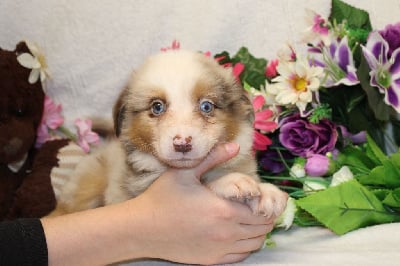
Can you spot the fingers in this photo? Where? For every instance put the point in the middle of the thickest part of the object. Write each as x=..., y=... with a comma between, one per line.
x=252, y=231
x=243, y=249
x=244, y=215
x=218, y=155
x=231, y=258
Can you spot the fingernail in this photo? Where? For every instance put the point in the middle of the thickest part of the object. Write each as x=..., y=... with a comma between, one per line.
x=231, y=147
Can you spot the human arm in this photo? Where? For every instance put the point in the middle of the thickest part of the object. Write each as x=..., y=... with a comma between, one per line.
x=175, y=219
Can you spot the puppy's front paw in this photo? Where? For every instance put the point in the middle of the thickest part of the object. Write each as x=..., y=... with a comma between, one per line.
x=235, y=186
x=272, y=201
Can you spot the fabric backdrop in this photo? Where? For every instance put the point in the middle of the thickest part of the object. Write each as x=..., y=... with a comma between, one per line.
x=92, y=46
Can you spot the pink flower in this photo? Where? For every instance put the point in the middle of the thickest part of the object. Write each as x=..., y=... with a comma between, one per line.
x=51, y=118
x=52, y=114
x=42, y=135
x=258, y=102
x=319, y=25
x=317, y=165
x=318, y=28
x=174, y=46
x=260, y=141
x=237, y=69
x=207, y=54
x=85, y=134
x=262, y=124
x=270, y=71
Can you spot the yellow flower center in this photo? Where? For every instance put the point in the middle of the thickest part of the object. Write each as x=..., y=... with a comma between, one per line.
x=299, y=84
x=42, y=61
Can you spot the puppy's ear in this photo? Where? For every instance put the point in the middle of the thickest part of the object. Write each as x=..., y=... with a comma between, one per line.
x=247, y=107
x=119, y=111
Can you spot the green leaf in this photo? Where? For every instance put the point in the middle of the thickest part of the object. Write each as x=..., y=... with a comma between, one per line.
x=356, y=159
x=395, y=158
x=223, y=57
x=396, y=131
x=346, y=207
x=356, y=18
x=393, y=199
x=254, y=71
x=375, y=99
x=305, y=219
x=381, y=194
x=384, y=176
x=374, y=152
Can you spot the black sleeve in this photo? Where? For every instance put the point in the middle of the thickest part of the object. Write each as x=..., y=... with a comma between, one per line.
x=22, y=242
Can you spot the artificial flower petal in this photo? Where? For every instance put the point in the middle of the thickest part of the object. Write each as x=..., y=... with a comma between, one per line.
x=258, y=102
x=261, y=142
x=285, y=220
x=35, y=61
x=378, y=47
x=344, y=174
x=395, y=60
x=26, y=60
x=85, y=134
x=34, y=76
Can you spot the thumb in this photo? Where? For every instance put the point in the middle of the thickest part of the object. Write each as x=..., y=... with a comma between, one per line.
x=218, y=155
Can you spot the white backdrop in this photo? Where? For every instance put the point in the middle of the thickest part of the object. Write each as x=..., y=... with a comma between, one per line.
x=92, y=46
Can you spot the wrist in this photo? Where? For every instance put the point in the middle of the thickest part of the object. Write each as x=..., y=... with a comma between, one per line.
x=99, y=236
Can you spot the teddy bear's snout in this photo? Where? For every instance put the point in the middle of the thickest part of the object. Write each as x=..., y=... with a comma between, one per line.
x=13, y=146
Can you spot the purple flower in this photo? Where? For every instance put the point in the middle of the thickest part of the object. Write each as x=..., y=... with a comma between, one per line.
x=271, y=161
x=317, y=165
x=391, y=33
x=337, y=61
x=358, y=138
x=303, y=138
x=385, y=69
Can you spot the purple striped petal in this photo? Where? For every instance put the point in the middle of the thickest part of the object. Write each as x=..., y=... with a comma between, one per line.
x=374, y=83
x=343, y=55
x=395, y=60
x=332, y=49
x=371, y=59
x=314, y=49
x=351, y=79
x=396, y=83
x=316, y=62
x=392, y=97
x=378, y=47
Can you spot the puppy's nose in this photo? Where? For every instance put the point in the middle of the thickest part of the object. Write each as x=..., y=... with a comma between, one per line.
x=182, y=144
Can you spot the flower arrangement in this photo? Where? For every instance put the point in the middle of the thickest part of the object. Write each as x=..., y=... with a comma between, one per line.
x=326, y=121
x=51, y=125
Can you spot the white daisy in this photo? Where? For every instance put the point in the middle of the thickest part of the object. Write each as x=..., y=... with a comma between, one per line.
x=35, y=61
x=296, y=83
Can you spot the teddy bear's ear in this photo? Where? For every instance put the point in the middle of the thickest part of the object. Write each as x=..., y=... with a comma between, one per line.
x=22, y=48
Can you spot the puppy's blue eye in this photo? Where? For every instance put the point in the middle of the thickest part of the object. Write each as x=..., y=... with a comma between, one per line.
x=158, y=107
x=206, y=107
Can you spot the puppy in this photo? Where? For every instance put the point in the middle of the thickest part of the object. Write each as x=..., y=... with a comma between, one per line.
x=176, y=108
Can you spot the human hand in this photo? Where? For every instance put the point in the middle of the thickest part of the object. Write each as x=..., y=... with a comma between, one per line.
x=190, y=224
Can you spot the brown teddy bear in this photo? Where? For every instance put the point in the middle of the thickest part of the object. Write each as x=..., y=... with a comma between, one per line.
x=25, y=184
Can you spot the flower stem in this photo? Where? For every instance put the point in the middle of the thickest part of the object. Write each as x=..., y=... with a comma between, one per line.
x=67, y=133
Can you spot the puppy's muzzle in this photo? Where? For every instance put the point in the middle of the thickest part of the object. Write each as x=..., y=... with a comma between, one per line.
x=182, y=144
